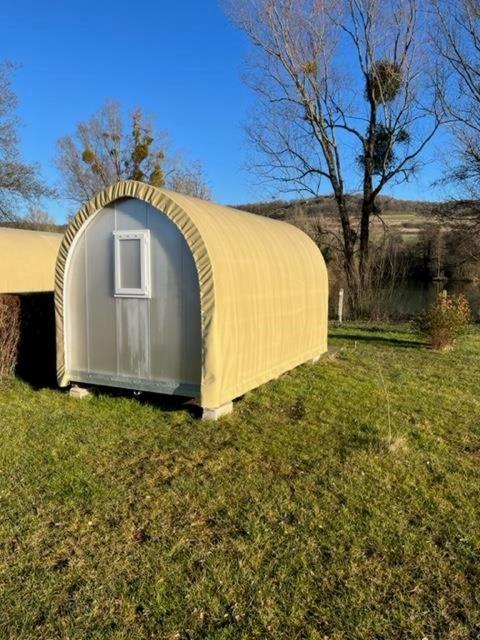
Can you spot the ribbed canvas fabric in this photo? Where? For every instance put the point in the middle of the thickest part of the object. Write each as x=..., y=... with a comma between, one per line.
x=263, y=289
x=27, y=260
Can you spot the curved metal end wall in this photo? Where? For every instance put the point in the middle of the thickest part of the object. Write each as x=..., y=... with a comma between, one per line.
x=131, y=303
x=257, y=290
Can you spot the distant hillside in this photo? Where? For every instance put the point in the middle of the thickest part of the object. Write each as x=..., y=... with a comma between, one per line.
x=405, y=216
x=325, y=205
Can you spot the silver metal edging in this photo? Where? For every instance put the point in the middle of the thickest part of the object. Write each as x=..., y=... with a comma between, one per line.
x=156, y=386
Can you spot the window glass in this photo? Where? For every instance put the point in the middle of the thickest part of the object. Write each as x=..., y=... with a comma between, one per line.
x=130, y=264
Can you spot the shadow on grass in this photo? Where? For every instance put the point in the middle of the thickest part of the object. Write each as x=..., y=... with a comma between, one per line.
x=158, y=400
x=382, y=340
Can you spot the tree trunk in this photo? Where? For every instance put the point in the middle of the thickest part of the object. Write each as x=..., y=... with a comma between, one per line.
x=352, y=282
x=349, y=240
x=368, y=201
x=368, y=209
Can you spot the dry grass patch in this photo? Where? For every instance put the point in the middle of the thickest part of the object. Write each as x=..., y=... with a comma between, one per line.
x=9, y=334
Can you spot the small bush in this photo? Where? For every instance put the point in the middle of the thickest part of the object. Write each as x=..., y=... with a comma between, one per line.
x=445, y=320
x=9, y=333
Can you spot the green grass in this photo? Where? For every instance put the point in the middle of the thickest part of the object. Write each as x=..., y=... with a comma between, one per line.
x=312, y=512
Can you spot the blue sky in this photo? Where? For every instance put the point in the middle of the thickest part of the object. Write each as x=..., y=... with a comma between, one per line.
x=180, y=61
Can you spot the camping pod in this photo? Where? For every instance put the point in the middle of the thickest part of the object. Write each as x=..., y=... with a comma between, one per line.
x=162, y=292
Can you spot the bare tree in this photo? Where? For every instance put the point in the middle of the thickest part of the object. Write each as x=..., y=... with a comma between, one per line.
x=456, y=31
x=20, y=183
x=39, y=219
x=190, y=181
x=347, y=95
x=103, y=151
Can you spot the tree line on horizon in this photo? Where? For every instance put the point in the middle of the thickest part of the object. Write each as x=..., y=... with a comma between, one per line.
x=350, y=95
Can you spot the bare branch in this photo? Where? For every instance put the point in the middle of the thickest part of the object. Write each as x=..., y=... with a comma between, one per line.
x=318, y=112
x=20, y=184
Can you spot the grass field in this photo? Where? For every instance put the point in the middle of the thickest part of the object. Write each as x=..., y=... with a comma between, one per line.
x=341, y=501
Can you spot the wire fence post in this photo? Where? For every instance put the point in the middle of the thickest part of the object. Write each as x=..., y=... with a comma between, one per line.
x=340, y=306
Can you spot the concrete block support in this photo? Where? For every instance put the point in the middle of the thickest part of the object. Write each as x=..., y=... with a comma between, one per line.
x=78, y=392
x=218, y=412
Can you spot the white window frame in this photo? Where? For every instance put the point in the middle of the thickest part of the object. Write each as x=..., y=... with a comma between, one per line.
x=144, y=290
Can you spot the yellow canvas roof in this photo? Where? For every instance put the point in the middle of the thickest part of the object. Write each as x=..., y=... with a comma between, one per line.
x=27, y=260
x=263, y=289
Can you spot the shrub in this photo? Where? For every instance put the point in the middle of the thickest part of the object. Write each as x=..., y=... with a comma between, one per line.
x=9, y=333
x=445, y=320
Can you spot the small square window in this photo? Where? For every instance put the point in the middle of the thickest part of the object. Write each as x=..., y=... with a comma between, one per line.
x=132, y=264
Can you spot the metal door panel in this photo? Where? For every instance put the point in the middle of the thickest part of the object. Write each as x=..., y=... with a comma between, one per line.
x=133, y=337
x=101, y=313
x=130, y=214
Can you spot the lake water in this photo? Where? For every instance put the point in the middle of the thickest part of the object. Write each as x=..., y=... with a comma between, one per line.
x=409, y=299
